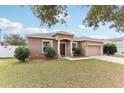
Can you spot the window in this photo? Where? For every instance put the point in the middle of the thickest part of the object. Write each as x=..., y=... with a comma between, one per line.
x=45, y=44
x=74, y=45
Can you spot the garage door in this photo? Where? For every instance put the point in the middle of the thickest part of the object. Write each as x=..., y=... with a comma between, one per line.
x=93, y=50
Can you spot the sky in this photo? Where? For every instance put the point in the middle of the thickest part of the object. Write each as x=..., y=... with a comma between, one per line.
x=17, y=20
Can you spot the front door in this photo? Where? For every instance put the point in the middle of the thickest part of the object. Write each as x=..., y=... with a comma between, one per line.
x=62, y=49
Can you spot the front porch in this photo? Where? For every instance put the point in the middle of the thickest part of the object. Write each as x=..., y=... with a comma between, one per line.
x=64, y=48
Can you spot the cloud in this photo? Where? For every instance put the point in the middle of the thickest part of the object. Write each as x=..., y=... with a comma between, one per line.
x=84, y=27
x=33, y=30
x=6, y=24
x=16, y=27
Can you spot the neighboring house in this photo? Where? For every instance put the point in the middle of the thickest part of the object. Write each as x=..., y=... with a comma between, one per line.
x=119, y=42
x=63, y=43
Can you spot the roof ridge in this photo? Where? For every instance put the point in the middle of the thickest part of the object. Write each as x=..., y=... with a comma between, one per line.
x=40, y=33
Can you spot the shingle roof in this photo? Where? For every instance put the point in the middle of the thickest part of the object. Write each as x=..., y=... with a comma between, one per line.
x=51, y=36
x=42, y=35
x=48, y=35
x=86, y=39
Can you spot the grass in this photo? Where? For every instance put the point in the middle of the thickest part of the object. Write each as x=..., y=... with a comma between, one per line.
x=61, y=73
x=119, y=55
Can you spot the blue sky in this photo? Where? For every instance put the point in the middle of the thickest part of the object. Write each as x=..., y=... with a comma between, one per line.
x=14, y=19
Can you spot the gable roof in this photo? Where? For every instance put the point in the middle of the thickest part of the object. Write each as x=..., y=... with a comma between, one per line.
x=63, y=33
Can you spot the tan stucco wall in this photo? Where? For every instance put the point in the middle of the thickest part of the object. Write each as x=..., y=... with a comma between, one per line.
x=35, y=47
x=81, y=45
x=55, y=45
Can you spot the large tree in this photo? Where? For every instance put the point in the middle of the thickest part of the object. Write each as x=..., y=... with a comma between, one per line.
x=50, y=14
x=97, y=15
x=104, y=14
x=14, y=39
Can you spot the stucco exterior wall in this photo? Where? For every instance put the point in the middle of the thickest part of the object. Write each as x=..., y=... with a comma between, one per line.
x=55, y=45
x=81, y=44
x=35, y=47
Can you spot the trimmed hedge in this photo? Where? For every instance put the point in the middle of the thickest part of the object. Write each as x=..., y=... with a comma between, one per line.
x=49, y=52
x=77, y=51
x=21, y=53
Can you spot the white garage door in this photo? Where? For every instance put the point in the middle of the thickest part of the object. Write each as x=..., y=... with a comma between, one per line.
x=93, y=50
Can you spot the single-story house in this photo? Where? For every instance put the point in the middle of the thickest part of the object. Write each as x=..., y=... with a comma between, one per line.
x=119, y=42
x=63, y=43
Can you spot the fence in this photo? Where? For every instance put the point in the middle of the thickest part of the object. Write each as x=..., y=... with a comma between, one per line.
x=7, y=51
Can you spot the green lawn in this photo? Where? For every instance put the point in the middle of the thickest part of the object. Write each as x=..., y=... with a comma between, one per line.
x=61, y=73
x=119, y=55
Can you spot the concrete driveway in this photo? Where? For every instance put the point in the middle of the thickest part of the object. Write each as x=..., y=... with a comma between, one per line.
x=104, y=58
x=110, y=59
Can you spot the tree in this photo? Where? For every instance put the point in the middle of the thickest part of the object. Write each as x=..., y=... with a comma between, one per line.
x=14, y=39
x=50, y=14
x=97, y=15
x=109, y=49
x=103, y=14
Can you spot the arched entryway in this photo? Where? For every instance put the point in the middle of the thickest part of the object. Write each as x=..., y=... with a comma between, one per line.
x=65, y=47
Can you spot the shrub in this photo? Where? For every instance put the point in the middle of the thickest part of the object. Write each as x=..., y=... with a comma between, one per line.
x=49, y=52
x=109, y=49
x=21, y=53
x=77, y=51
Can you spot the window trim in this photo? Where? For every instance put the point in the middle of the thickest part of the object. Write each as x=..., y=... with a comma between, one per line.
x=50, y=41
x=72, y=45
